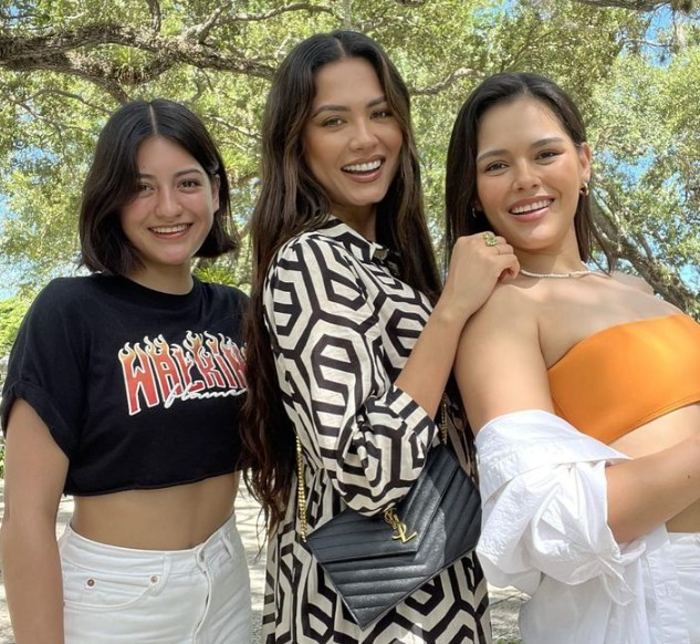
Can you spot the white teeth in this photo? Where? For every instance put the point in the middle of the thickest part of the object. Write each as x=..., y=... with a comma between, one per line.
x=363, y=167
x=164, y=230
x=530, y=207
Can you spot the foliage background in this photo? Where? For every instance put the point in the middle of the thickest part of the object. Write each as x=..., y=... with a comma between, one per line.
x=633, y=66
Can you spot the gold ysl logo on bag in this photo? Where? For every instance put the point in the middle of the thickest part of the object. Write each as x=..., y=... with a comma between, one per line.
x=399, y=526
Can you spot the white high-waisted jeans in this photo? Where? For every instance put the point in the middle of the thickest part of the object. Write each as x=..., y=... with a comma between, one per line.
x=116, y=595
x=685, y=550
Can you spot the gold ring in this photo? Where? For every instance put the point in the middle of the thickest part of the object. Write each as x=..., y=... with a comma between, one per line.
x=490, y=238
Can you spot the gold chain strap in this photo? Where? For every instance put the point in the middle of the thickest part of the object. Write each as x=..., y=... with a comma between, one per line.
x=301, y=493
x=443, y=419
x=390, y=518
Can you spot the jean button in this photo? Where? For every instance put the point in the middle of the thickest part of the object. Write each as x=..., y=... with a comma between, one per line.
x=154, y=579
x=90, y=583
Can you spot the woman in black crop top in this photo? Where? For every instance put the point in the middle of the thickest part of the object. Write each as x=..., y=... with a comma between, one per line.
x=124, y=389
x=589, y=480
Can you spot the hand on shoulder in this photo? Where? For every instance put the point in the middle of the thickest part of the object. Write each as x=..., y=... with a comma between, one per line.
x=477, y=264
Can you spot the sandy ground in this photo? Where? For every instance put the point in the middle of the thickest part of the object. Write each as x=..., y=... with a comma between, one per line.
x=504, y=603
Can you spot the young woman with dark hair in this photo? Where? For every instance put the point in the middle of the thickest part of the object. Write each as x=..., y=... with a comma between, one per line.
x=110, y=183
x=123, y=389
x=584, y=389
x=350, y=343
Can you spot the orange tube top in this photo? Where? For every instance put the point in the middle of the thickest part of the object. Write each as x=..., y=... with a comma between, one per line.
x=627, y=375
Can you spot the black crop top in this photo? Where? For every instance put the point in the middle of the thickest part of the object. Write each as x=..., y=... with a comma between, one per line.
x=140, y=389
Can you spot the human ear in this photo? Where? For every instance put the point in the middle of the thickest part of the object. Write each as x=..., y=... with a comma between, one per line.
x=215, y=185
x=585, y=156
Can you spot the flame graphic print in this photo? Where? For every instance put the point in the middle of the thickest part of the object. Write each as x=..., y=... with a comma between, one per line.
x=203, y=366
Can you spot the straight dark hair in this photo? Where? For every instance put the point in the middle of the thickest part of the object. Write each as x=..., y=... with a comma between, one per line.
x=461, y=217
x=292, y=201
x=113, y=180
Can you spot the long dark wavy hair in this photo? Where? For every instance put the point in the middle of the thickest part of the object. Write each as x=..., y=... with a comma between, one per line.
x=461, y=217
x=292, y=201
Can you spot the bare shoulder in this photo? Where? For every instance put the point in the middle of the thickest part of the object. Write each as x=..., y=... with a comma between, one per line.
x=511, y=306
x=634, y=281
x=499, y=366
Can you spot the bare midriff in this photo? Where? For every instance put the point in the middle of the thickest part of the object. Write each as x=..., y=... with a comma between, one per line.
x=659, y=434
x=173, y=518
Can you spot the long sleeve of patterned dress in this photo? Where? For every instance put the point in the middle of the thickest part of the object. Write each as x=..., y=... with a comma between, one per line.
x=332, y=321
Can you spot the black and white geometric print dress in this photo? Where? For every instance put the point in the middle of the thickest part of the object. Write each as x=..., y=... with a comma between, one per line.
x=342, y=327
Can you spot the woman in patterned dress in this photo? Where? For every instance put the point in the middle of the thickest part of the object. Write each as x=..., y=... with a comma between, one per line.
x=350, y=344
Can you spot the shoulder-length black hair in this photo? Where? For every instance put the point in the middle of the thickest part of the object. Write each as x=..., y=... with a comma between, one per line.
x=113, y=178
x=461, y=217
x=291, y=201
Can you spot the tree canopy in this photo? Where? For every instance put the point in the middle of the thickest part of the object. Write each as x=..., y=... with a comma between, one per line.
x=633, y=66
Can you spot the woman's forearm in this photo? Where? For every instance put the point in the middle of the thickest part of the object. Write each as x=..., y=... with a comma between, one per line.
x=32, y=576
x=428, y=367
x=648, y=491
x=475, y=269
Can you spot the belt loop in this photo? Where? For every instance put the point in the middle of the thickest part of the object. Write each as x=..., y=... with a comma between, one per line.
x=226, y=532
x=228, y=546
x=200, y=556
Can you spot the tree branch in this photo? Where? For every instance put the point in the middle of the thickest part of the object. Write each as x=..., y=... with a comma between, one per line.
x=348, y=22
x=686, y=6
x=60, y=92
x=636, y=5
x=255, y=136
x=441, y=86
x=662, y=279
x=534, y=35
x=16, y=48
x=154, y=9
x=201, y=32
x=60, y=51
x=296, y=6
x=59, y=127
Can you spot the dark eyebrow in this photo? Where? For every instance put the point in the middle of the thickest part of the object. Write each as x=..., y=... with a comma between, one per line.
x=377, y=101
x=344, y=108
x=551, y=139
x=537, y=144
x=179, y=173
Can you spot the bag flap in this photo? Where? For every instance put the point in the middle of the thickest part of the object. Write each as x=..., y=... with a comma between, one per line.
x=350, y=535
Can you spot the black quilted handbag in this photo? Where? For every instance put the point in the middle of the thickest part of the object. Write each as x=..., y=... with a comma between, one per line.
x=376, y=562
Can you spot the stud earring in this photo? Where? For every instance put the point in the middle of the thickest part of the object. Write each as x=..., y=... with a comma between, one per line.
x=584, y=190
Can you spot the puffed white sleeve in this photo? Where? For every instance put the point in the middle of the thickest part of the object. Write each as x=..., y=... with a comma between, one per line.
x=544, y=495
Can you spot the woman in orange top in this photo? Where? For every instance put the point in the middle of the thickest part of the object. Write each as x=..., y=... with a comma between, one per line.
x=585, y=385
